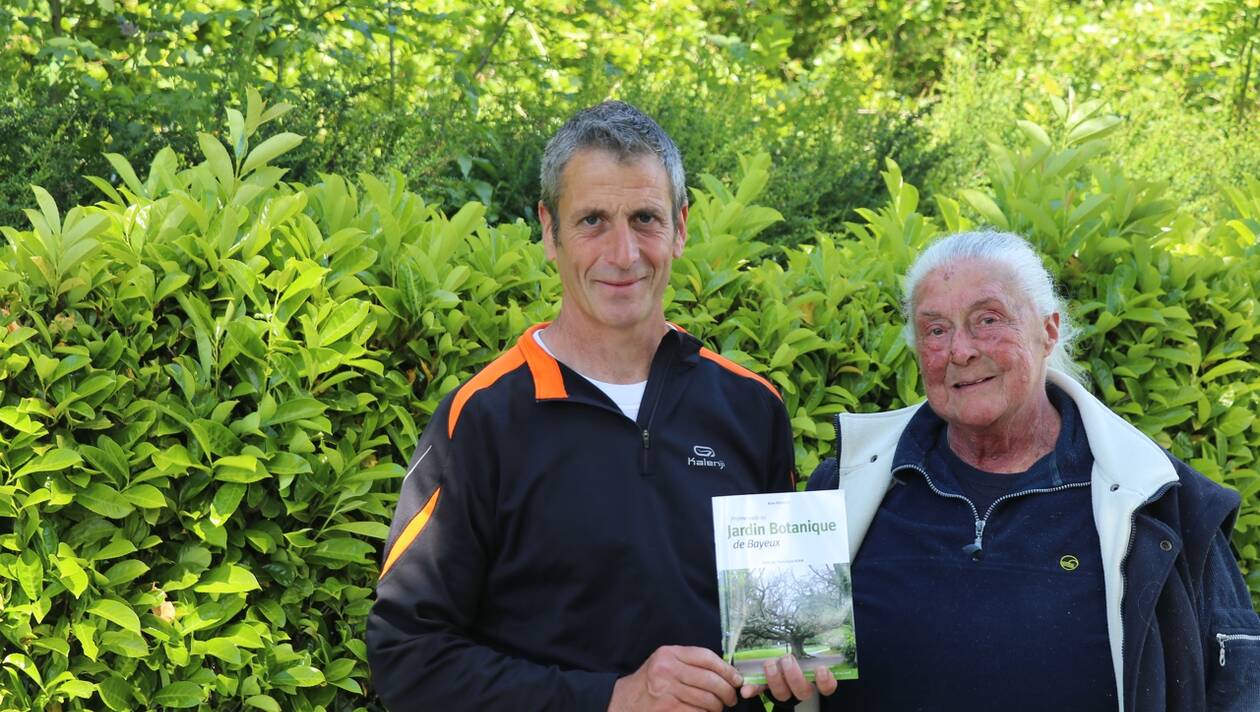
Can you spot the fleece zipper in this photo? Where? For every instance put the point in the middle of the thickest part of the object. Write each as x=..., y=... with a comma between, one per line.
x=658, y=377
x=976, y=548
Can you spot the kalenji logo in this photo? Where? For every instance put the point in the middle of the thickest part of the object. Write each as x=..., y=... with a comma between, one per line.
x=705, y=457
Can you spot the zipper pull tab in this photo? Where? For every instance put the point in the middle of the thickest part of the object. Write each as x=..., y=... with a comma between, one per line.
x=976, y=549
x=1220, y=640
x=645, y=439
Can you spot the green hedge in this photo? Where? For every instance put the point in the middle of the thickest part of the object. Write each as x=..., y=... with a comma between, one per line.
x=210, y=380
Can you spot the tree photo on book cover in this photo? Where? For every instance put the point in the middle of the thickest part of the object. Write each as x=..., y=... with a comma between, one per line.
x=803, y=610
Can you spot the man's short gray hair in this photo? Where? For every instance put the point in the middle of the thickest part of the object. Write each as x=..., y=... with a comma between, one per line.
x=620, y=129
x=1028, y=273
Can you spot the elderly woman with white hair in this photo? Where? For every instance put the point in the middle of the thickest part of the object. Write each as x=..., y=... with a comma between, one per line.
x=1017, y=545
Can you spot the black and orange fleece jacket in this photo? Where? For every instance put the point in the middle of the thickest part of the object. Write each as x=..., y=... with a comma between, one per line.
x=545, y=544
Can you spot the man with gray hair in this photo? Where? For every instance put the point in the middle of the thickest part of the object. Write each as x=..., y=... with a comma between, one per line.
x=552, y=547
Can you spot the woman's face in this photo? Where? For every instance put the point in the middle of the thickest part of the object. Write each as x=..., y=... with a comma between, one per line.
x=981, y=345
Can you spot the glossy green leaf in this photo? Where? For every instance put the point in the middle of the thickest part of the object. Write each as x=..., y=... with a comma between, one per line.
x=344, y=549
x=76, y=688
x=24, y=664
x=344, y=319
x=116, y=612
x=124, y=571
x=55, y=460
x=373, y=530
x=225, y=502
x=30, y=573
x=220, y=648
x=271, y=148
x=71, y=574
x=118, y=546
x=298, y=676
x=296, y=409
x=179, y=695
x=229, y=578
x=145, y=496
x=124, y=642
x=116, y=693
x=217, y=159
x=104, y=500
x=267, y=703
x=988, y=209
x=1227, y=368
x=215, y=438
x=56, y=645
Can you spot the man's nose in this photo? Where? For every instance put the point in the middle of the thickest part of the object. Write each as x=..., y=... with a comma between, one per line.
x=624, y=250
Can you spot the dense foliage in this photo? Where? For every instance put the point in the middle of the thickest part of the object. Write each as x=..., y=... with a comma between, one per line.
x=211, y=378
x=212, y=368
x=459, y=95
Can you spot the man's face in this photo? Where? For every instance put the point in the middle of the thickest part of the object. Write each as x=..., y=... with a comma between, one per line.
x=613, y=239
x=982, y=347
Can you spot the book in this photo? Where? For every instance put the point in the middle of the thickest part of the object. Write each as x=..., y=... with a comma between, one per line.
x=783, y=582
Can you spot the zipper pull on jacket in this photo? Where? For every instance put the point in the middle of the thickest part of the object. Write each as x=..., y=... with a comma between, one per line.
x=976, y=549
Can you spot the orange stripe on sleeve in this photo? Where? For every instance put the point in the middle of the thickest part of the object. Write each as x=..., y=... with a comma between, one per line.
x=485, y=378
x=738, y=369
x=411, y=531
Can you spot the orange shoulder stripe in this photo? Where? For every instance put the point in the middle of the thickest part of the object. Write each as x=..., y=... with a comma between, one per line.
x=411, y=531
x=496, y=369
x=738, y=369
x=548, y=382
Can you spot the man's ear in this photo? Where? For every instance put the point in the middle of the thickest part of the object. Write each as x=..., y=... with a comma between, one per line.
x=681, y=236
x=548, y=236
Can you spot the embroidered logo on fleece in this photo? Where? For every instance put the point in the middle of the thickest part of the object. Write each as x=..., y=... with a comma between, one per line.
x=705, y=456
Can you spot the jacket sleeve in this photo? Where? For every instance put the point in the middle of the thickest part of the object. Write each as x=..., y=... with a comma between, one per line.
x=782, y=474
x=826, y=476
x=1232, y=633
x=422, y=646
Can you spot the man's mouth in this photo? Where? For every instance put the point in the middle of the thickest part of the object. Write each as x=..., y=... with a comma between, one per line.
x=620, y=283
x=973, y=382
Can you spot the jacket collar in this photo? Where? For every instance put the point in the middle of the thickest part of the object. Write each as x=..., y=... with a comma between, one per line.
x=916, y=446
x=1123, y=455
x=548, y=376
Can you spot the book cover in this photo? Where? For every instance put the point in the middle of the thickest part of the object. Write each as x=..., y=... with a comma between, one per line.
x=783, y=581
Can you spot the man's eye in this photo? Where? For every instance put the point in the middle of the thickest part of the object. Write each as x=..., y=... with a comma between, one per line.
x=645, y=218
x=590, y=220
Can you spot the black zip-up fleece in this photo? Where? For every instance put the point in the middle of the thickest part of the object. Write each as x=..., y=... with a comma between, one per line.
x=545, y=544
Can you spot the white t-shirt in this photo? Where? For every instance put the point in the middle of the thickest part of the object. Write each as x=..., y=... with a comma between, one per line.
x=627, y=396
